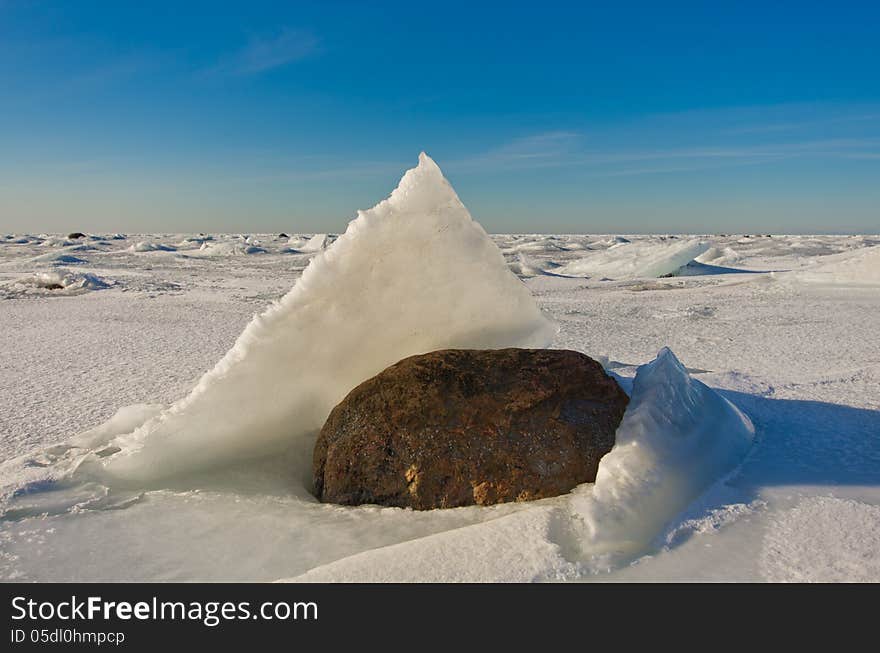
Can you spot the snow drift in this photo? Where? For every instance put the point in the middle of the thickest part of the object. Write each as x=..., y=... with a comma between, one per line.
x=626, y=260
x=411, y=275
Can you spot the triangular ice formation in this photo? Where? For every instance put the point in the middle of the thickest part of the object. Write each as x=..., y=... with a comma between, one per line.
x=413, y=274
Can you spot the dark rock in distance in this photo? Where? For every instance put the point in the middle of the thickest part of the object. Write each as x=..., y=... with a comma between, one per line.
x=76, y=235
x=459, y=427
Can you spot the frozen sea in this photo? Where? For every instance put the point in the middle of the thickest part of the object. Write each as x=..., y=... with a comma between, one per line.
x=787, y=328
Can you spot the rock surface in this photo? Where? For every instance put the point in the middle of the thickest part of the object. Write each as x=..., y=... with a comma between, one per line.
x=459, y=427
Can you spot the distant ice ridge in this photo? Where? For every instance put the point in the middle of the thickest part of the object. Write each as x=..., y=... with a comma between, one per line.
x=227, y=248
x=413, y=274
x=627, y=260
x=678, y=437
x=145, y=246
x=858, y=268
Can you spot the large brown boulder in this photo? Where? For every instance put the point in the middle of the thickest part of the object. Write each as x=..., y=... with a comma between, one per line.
x=458, y=427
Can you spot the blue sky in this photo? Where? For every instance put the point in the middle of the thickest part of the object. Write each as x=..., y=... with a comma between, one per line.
x=554, y=117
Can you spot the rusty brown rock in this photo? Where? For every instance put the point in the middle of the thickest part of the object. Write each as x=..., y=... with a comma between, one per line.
x=458, y=427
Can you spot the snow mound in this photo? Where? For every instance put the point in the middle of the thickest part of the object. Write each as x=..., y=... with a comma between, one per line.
x=57, y=241
x=411, y=275
x=858, y=268
x=648, y=258
x=16, y=240
x=541, y=245
x=575, y=245
x=228, y=248
x=192, y=241
x=145, y=246
x=316, y=243
x=678, y=437
x=609, y=242
x=63, y=256
x=57, y=283
x=297, y=242
x=523, y=267
x=719, y=256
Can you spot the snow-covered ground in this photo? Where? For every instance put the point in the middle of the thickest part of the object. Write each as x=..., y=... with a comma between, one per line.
x=785, y=328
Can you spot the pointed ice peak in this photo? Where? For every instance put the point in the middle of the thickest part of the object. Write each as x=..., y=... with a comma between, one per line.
x=664, y=371
x=427, y=162
x=423, y=187
x=665, y=357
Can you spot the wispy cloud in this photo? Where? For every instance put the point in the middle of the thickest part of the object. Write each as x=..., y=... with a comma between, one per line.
x=318, y=168
x=565, y=149
x=342, y=172
x=699, y=158
x=538, y=147
x=570, y=150
x=545, y=149
x=804, y=124
x=264, y=53
x=669, y=166
x=122, y=67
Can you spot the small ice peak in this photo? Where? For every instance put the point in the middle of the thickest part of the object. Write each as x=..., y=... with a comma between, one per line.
x=667, y=359
x=665, y=365
x=428, y=164
x=666, y=380
x=424, y=188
